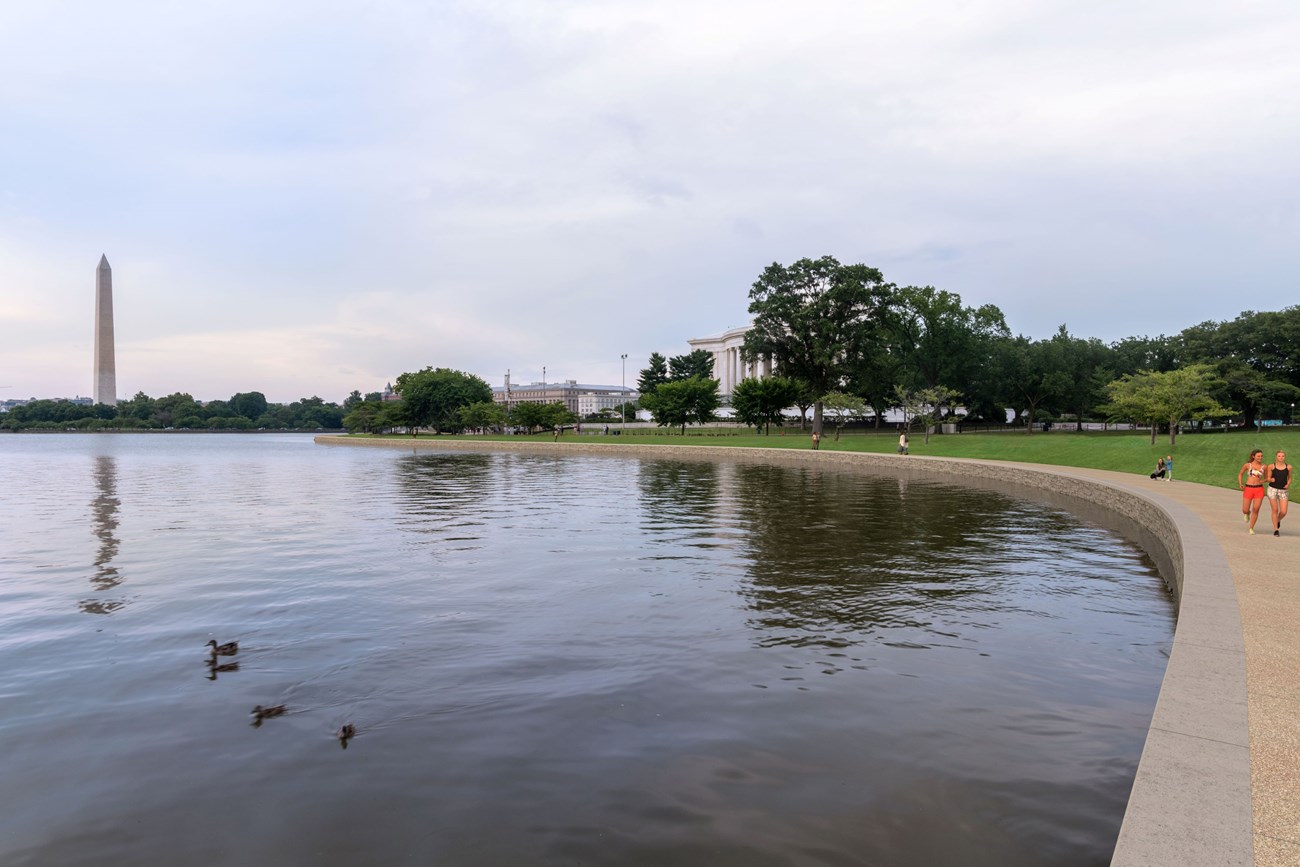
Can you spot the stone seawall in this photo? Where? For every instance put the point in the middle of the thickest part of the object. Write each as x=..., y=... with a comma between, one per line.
x=1190, y=804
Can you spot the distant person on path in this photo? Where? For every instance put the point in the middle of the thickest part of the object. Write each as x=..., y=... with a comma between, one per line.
x=902, y=443
x=817, y=440
x=1252, y=488
x=1169, y=468
x=1279, y=479
x=1160, y=469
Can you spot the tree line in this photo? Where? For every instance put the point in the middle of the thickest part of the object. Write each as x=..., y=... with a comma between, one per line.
x=247, y=410
x=850, y=344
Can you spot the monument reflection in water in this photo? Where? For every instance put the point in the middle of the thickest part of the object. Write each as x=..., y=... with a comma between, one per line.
x=554, y=661
x=104, y=509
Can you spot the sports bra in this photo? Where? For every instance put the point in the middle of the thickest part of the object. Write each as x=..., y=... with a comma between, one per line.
x=1280, y=477
x=1251, y=473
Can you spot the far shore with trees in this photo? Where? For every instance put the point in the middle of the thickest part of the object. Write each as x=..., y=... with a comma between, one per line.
x=844, y=343
x=244, y=411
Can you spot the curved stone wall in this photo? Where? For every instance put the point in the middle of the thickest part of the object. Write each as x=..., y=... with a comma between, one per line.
x=1190, y=803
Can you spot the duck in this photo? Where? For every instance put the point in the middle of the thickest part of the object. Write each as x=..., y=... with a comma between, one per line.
x=260, y=713
x=346, y=734
x=230, y=648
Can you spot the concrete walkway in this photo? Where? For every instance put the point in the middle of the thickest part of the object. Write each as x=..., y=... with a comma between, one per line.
x=1266, y=574
x=1219, y=779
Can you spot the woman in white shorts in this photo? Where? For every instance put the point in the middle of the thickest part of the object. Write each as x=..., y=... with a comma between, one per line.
x=1279, y=479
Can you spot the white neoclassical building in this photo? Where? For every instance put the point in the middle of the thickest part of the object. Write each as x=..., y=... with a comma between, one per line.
x=728, y=366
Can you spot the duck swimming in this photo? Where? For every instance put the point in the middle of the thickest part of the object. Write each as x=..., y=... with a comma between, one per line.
x=346, y=734
x=230, y=648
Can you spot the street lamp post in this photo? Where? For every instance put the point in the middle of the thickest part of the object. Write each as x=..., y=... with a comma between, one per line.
x=623, y=393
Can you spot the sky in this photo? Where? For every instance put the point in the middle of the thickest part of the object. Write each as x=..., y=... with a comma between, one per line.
x=309, y=198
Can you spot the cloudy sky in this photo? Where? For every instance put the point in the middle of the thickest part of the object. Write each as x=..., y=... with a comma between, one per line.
x=307, y=198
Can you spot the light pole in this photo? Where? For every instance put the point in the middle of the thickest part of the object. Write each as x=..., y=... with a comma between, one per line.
x=623, y=393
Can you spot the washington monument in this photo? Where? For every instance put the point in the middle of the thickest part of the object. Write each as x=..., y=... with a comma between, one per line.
x=105, y=363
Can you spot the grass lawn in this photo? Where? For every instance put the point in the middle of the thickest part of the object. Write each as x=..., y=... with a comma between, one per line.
x=1211, y=459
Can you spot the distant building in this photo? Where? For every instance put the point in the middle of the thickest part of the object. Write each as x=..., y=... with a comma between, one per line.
x=729, y=368
x=13, y=402
x=580, y=399
x=389, y=394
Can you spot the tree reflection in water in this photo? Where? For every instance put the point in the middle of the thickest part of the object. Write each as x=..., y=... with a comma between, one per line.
x=834, y=557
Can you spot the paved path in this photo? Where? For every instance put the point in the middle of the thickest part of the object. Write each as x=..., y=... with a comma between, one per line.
x=1266, y=573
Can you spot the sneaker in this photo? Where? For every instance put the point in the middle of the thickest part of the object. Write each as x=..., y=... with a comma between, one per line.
x=1252, y=530
x=1245, y=518
x=1276, y=533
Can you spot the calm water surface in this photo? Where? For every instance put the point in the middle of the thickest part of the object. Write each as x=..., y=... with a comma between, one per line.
x=553, y=661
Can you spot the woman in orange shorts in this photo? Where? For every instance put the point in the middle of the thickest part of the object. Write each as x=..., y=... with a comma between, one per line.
x=1252, y=488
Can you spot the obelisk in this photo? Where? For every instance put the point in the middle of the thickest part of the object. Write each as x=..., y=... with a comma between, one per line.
x=105, y=362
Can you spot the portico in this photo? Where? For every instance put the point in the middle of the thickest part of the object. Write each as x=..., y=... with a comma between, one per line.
x=729, y=367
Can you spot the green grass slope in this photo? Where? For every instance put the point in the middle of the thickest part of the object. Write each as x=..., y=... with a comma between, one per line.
x=1211, y=459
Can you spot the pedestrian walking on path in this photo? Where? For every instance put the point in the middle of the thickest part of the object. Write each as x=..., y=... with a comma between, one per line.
x=1279, y=479
x=1250, y=478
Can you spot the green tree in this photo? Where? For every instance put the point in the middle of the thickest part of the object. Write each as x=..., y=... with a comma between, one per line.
x=527, y=415
x=686, y=401
x=937, y=340
x=139, y=407
x=433, y=397
x=484, y=414
x=313, y=413
x=547, y=416
x=626, y=411
x=249, y=404
x=924, y=406
x=1031, y=376
x=1136, y=354
x=1166, y=396
x=556, y=415
x=819, y=320
x=698, y=362
x=1086, y=367
x=393, y=414
x=364, y=417
x=174, y=406
x=353, y=400
x=277, y=416
x=842, y=409
x=654, y=375
x=760, y=402
x=216, y=409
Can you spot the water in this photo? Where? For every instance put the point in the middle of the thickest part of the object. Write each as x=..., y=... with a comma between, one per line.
x=554, y=661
